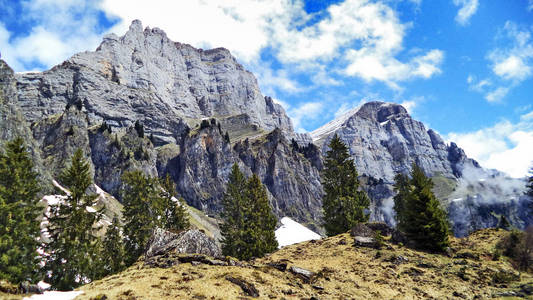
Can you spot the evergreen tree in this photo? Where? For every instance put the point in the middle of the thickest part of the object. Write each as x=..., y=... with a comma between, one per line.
x=113, y=249
x=139, y=128
x=233, y=214
x=529, y=190
x=226, y=137
x=504, y=223
x=343, y=203
x=19, y=228
x=248, y=228
x=141, y=205
x=175, y=216
x=421, y=217
x=402, y=189
x=73, y=247
x=259, y=221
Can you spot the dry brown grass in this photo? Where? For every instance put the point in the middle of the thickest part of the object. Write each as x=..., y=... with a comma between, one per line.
x=343, y=272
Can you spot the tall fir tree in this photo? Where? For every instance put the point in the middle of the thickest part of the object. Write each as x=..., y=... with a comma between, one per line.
x=141, y=202
x=233, y=214
x=248, y=227
x=344, y=203
x=259, y=221
x=402, y=188
x=421, y=218
x=19, y=227
x=175, y=216
x=112, y=252
x=73, y=247
x=529, y=190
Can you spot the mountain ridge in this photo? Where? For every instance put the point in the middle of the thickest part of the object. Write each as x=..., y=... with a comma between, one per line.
x=170, y=88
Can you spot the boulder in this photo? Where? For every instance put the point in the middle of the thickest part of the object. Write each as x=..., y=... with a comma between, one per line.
x=363, y=241
x=369, y=229
x=247, y=287
x=304, y=274
x=189, y=241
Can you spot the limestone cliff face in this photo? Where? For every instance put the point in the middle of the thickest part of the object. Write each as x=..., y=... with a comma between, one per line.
x=145, y=76
x=202, y=165
x=13, y=123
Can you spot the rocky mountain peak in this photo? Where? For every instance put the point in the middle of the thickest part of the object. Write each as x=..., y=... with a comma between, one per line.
x=381, y=111
x=144, y=76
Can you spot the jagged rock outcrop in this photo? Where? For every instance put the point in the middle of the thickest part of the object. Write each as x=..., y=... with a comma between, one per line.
x=292, y=180
x=145, y=76
x=13, y=124
x=190, y=241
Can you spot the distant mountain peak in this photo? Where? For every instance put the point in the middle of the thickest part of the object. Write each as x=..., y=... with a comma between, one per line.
x=378, y=111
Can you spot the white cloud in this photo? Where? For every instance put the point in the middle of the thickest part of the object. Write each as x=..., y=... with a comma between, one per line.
x=306, y=111
x=514, y=61
x=512, y=67
x=467, y=10
x=409, y=105
x=244, y=27
x=497, y=94
x=530, y=5
x=504, y=146
x=270, y=79
x=511, y=64
x=527, y=117
x=478, y=85
x=71, y=28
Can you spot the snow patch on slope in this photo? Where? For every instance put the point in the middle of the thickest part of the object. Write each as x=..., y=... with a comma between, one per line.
x=55, y=295
x=332, y=126
x=292, y=232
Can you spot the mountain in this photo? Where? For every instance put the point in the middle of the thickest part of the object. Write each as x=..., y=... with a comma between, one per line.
x=384, y=140
x=142, y=101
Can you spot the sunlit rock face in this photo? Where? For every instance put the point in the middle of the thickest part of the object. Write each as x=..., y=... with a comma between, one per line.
x=145, y=76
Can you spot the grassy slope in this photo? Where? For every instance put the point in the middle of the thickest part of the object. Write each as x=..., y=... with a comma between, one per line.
x=345, y=272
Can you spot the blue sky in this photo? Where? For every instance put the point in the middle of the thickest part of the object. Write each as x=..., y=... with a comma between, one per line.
x=463, y=67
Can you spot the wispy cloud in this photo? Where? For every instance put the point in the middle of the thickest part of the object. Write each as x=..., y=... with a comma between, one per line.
x=305, y=111
x=505, y=146
x=515, y=60
x=497, y=94
x=510, y=64
x=467, y=9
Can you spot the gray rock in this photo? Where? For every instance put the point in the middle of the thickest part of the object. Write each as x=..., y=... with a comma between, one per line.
x=306, y=275
x=370, y=229
x=248, y=288
x=363, y=241
x=190, y=241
